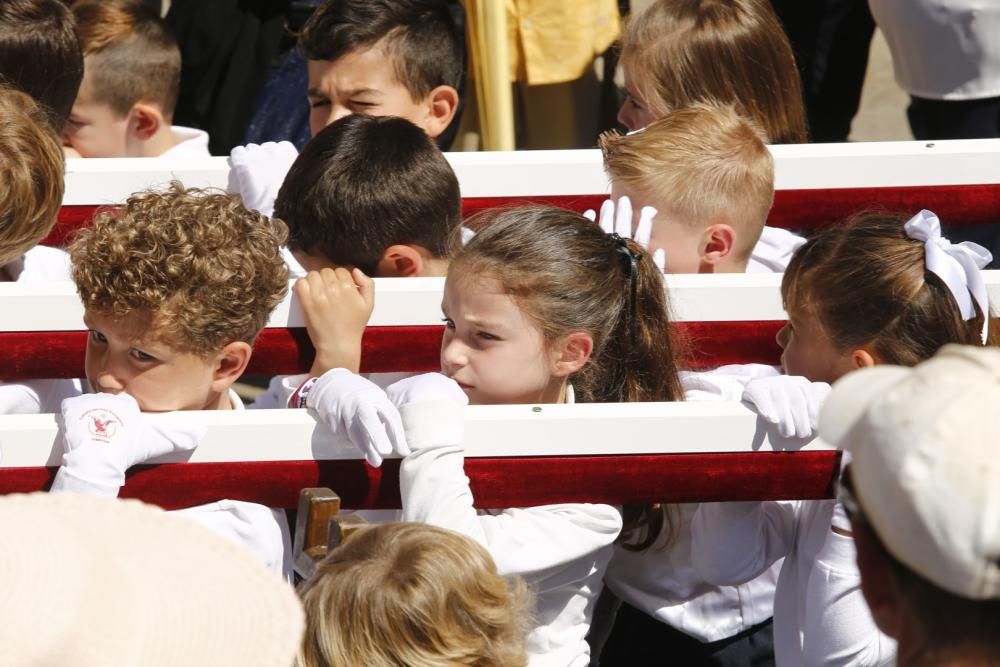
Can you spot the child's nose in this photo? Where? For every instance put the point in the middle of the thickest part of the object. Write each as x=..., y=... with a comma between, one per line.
x=109, y=383
x=453, y=355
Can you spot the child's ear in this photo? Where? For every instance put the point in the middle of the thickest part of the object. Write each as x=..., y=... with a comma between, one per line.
x=717, y=242
x=229, y=365
x=572, y=353
x=442, y=103
x=400, y=261
x=864, y=357
x=146, y=120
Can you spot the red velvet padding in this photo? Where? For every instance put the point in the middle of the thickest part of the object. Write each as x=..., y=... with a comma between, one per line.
x=496, y=482
x=55, y=354
x=793, y=209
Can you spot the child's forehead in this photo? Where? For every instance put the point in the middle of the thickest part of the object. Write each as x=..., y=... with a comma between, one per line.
x=369, y=67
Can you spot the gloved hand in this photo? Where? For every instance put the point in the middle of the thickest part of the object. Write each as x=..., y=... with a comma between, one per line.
x=105, y=434
x=432, y=408
x=357, y=408
x=790, y=402
x=618, y=220
x=257, y=172
x=426, y=387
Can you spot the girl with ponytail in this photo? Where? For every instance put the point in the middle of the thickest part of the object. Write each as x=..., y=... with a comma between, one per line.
x=540, y=307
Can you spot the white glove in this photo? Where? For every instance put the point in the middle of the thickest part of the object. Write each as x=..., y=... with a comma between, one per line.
x=358, y=409
x=257, y=172
x=105, y=434
x=426, y=387
x=790, y=402
x=618, y=220
x=432, y=407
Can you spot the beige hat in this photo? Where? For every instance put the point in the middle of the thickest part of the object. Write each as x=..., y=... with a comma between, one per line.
x=99, y=581
x=925, y=443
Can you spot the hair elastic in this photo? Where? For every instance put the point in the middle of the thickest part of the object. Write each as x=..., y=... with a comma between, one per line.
x=621, y=245
x=958, y=265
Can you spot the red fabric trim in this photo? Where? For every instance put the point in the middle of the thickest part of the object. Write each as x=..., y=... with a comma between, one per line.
x=496, y=482
x=54, y=354
x=793, y=209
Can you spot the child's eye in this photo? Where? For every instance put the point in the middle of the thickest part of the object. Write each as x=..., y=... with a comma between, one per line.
x=448, y=323
x=97, y=336
x=634, y=103
x=487, y=336
x=362, y=105
x=317, y=103
x=139, y=355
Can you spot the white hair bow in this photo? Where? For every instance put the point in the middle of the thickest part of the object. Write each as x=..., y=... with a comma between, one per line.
x=958, y=265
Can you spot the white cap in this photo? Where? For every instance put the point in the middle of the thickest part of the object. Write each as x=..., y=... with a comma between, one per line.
x=925, y=443
x=93, y=581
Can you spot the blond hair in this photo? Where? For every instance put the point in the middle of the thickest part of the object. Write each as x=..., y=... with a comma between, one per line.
x=416, y=595
x=207, y=269
x=681, y=52
x=700, y=165
x=31, y=168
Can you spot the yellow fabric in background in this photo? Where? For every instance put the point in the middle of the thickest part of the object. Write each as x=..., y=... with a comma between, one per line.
x=554, y=41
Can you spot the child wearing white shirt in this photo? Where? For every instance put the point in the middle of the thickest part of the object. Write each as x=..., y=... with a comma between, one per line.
x=540, y=307
x=874, y=290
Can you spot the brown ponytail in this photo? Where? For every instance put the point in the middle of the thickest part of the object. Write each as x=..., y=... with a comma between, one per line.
x=867, y=284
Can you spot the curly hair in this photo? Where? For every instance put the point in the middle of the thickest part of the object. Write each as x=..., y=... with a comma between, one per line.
x=31, y=169
x=207, y=270
x=413, y=594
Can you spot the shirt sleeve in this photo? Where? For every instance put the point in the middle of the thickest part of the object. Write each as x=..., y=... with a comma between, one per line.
x=735, y=542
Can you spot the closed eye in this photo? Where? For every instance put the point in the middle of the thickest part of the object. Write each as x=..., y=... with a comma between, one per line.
x=97, y=336
x=485, y=335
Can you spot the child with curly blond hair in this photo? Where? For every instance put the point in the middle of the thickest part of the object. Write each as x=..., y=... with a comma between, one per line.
x=176, y=286
x=412, y=594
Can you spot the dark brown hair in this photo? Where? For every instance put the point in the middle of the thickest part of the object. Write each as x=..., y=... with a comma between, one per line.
x=420, y=36
x=40, y=54
x=717, y=51
x=866, y=283
x=567, y=275
x=131, y=54
x=365, y=183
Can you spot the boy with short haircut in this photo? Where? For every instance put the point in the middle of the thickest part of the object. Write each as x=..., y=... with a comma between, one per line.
x=40, y=54
x=176, y=286
x=375, y=57
x=373, y=194
x=31, y=169
x=130, y=84
x=383, y=57
x=710, y=176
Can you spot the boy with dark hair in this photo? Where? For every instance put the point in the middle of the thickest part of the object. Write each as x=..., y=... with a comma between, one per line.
x=376, y=57
x=368, y=195
x=130, y=84
x=40, y=54
x=384, y=57
x=373, y=193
